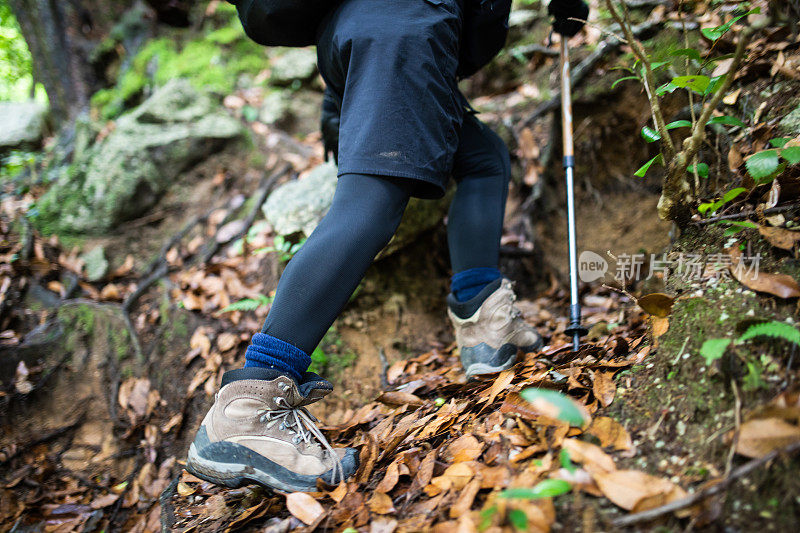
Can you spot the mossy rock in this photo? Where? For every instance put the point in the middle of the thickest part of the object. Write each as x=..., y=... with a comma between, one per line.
x=122, y=176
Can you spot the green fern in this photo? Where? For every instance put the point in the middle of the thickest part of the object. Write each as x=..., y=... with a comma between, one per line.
x=778, y=330
x=248, y=304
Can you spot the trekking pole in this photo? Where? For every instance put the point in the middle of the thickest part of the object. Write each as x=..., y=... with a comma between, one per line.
x=575, y=329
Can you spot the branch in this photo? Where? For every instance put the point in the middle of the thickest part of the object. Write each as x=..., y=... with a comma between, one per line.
x=699, y=130
x=584, y=68
x=668, y=148
x=747, y=214
x=701, y=495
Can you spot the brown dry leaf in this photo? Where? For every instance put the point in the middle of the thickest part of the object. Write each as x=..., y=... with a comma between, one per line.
x=465, y=499
x=627, y=488
x=657, y=304
x=227, y=341
x=304, y=507
x=125, y=268
x=759, y=437
x=610, y=433
x=111, y=292
x=104, y=501
x=500, y=384
x=185, y=489
x=779, y=237
x=464, y=448
x=389, y=479
x=200, y=341
x=604, y=387
x=381, y=503
x=660, y=326
x=425, y=472
x=459, y=475
x=780, y=285
x=400, y=398
x=589, y=455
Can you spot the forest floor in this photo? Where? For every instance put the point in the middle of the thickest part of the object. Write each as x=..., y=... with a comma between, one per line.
x=104, y=382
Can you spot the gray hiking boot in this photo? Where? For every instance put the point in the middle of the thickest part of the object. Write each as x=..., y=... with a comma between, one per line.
x=258, y=431
x=490, y=329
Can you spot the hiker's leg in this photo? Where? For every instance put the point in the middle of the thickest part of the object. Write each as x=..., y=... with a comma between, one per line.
x=320, y=278
x=475, y=222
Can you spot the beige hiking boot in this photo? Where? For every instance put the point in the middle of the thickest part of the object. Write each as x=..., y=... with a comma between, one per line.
x=258, y=431
x=490, y=329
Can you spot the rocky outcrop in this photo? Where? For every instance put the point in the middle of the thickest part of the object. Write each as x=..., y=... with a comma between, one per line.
x=21, y=124
x=297, y=207
x=125, y=174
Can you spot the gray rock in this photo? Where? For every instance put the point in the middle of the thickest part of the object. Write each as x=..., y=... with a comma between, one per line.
x=21, y=124
x=274, y=108
x=122, y=176
x=790, y=124
x=293, y=64
x=95, y=263
x=298, y=206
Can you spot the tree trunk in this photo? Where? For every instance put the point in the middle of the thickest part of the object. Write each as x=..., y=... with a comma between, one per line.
x=56, y=35
x=61, y=36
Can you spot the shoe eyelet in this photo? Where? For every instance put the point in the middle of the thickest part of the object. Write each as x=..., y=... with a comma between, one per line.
x=296, y=439
x=282, y=427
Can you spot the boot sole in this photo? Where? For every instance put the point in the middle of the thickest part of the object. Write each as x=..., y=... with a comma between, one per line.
x=234, y=475
x=233, y=465
x=479, y=368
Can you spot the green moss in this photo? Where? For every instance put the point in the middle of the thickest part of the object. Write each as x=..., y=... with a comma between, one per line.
x=79, y=317
x=211, y=62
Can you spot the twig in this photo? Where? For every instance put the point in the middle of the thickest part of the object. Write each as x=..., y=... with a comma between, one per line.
x=737, y=418
x=648, y=79
x=265, y=187
x=701, y=495
x=46, y=437
x=747, y=214
x=137, y=347
x=584, y=68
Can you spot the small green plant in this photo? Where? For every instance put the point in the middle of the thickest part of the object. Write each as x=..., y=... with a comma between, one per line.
x=285, y=248
x=696, y=77
x=714, y=349
x=248, y=304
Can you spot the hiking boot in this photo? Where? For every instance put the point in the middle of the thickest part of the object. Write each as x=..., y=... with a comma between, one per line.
x=259, y=431
x=490, y=329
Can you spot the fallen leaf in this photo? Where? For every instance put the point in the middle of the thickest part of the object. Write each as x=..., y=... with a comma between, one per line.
x=465, y=499
x=304, y=507
x=660, y=326
x=779, y=237
x=464, y=448
x=104, y=501
x=759, y=437
x=185, y=490
x=657, y=304
x=589, y=455
x=627, y=488
x=610, y=433
x=389, y=479
x=604, y=387
x=780, y=285
x=227, y=341
x=400, y=398
x=111, y=292
x=380, y=503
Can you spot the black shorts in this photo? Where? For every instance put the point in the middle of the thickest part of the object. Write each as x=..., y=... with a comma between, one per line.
x=392, y=64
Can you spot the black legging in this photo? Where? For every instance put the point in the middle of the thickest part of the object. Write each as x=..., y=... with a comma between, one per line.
x=364, y=215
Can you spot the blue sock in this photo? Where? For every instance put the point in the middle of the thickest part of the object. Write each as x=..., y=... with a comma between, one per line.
x=466, y=284
x=266, y=351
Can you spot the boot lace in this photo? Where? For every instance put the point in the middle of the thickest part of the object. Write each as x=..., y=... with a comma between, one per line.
x=301, y=423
